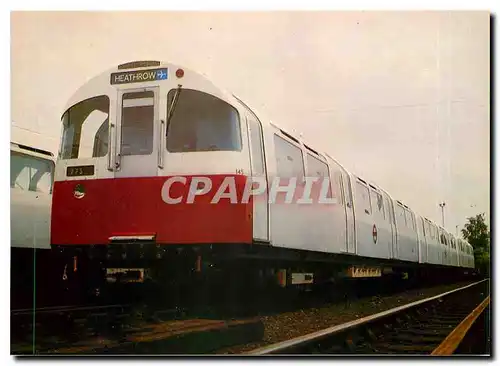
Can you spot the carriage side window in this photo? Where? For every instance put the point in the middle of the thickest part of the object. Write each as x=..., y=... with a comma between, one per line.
x=390, y=210
x=288, y=159
x=30, y=173
x=347, y=187
x=337, y=178
x=363, y=198
x=317, y=168
x=201, y=122
x=410, y=219
x=377, y=202
x=443, y=239
x=85, y=129
x=400, y=215
x=429, y=229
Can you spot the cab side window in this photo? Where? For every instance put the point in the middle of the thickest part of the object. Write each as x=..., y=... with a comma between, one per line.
x=30, y=173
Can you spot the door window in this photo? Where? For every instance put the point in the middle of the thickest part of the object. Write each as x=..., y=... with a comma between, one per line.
x=258, y=164
x=137, y=123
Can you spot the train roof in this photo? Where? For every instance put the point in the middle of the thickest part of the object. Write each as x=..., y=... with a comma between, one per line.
x=30, y=150
x=101, y=82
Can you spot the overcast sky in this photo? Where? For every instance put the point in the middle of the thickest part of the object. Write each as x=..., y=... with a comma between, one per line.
x=398, y=98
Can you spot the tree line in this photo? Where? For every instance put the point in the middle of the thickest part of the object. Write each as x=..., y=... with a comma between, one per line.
x=477, y=234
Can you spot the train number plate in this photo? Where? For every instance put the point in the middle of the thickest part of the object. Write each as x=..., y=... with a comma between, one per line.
x=361, y=272
x=125, y=275
x=78, y=171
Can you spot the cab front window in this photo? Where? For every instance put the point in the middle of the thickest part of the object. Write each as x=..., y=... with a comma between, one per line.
x=201, y=122
x=85, y=129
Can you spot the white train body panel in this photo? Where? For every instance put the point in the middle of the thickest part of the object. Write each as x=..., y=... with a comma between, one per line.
x=434, y=250
x=289, y=220
x=407, y=234
x=291, y=224
x=373, y=224
x=30, y=198
x=342, y=181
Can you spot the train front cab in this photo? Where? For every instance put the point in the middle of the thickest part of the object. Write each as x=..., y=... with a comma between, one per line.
x=128, y=156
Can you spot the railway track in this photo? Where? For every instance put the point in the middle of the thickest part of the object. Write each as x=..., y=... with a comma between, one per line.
x=136, y=329
x=123, y=329
x=53, y=327
x=420, y=327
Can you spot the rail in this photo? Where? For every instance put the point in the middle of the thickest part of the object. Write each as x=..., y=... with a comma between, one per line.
x=453, y=340
x=293, y=345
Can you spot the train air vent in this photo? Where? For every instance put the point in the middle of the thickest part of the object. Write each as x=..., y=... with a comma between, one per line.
x=29, y=148
x=312, y=150
x=137, y=64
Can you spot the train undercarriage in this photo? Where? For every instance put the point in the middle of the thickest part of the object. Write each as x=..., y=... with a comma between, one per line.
x=223, y=273
x=35, y=278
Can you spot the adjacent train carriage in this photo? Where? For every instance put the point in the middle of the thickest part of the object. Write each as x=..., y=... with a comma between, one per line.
x=162, y=174
x=32, y=262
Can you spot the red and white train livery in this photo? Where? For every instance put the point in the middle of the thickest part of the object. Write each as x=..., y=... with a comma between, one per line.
x=132, y=129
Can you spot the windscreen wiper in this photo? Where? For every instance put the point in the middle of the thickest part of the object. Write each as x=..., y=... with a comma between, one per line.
x=172, y=106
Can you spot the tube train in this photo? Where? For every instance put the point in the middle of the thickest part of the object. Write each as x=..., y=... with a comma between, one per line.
x=33, y=269
x=146, y=148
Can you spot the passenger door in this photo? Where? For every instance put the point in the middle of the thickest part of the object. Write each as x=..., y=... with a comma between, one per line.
x=140, y=134
x=258, y=165
x=422, y=244
x=390, y=212
x=381, y=224
x=349, y=209
x=365, y=233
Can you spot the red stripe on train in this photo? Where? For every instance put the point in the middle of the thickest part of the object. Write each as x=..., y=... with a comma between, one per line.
x=134, y=206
